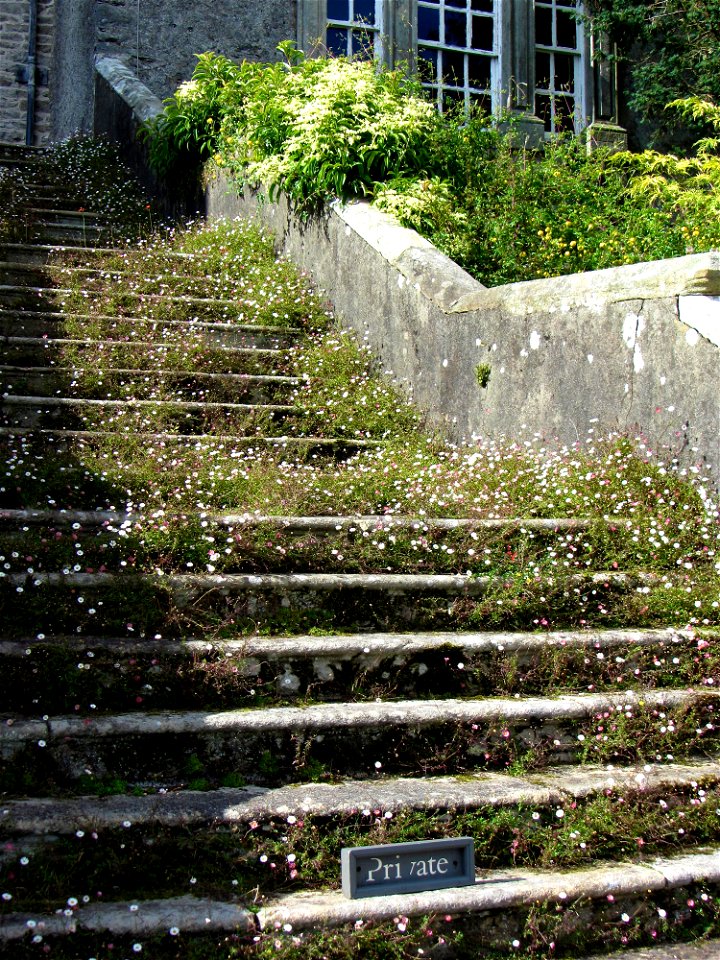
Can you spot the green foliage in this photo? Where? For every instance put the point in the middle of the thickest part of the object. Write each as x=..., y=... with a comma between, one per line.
x=312, y=128
x=672, y=48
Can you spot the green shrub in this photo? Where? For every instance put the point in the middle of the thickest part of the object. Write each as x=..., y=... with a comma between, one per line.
x=324, y=128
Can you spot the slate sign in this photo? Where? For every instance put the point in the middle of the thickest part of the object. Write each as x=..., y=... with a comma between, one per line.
x=407, y=867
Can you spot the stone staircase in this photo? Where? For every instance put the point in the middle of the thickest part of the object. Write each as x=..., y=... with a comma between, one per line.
x=201, y=706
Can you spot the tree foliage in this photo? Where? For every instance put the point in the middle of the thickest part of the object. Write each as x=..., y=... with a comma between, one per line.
x=671, y=49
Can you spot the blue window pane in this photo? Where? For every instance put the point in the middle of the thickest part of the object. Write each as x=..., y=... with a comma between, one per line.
x=482, y=33
x=337, y=42
x=338, y=9
x=453, y=68
x=456, y=29
x=456, y=3
x=542, y=70
x=543, y=26
x=565, y=72
x=479, y=72
x=365, y=11
x=482, y=6
x=428, y=24
x=427, y=64
x=566, y=30
x=362, y=44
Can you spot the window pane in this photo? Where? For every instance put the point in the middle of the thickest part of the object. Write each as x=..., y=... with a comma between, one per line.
x=481, y=103
x=362, y=44
x=453, y=68
x=338, y=9
x=482, y=33
x=486, y=6
x=565, y=72
x=365, y=11
x=428, y=24
x=479, y=72
x=543, y=26
x=564, y=114
x=566, y=30
x=456, y=3
x=542, y=70
x=427, y=64
x=566, y=3
x=543, y=109
x=453, y=98
x=456, y=29
x=337, y=41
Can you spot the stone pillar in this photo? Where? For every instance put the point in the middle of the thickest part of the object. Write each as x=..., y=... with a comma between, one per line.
x=311, y=24
x=517, y=58
x=604, y=131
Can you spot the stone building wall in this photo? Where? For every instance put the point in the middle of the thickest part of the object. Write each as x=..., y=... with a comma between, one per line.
x=14, y=45
x=157, y=39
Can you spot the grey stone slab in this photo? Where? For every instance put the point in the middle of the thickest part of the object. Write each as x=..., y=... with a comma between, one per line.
x=707, y=950
x=704, y=865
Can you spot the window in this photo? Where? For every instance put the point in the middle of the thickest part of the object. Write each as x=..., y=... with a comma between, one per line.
x=354, y=28
x=457, y=50
x=558, y=65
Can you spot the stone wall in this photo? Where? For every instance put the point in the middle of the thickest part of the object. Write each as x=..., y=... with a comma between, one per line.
x=159, y=39
x=14, y=45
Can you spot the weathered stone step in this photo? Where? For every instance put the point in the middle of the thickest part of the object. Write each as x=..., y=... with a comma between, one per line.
x=43, y=253
x=56, y=232
x=69, y=218
x=348, y=739
x=154, y=305
x=186, y=416
x=112, y=672
x=338, y=601
x=227, y=805
x=51, y=323
x=495, y=908
x=380, y=523
x=20, y=151
x=42, y=351
x=136, y=383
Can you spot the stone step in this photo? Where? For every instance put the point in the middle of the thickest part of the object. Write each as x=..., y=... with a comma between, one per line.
x=548, y=788
x=184, y=416
x=49, y=324
x=163, y=672
x=347, y=739
x=73, y=234
x=10, y=150
x=333, y=601
x=43, y=351
x=491, y=914
x=152, y=305
x=137, y=383
x=36, y=253
x=65, y=218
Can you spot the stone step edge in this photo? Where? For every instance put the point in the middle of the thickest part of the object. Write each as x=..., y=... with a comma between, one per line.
x=226, y=440
x=209, y=325
x=14, y=288
x=373, y=646
x=226, y=805
x=45, y=342
x=18, y=400
x=327, y=524
x=326, y=717
x=492, y=891
x=85, y=251
x=186, y=585
x=241, y=378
